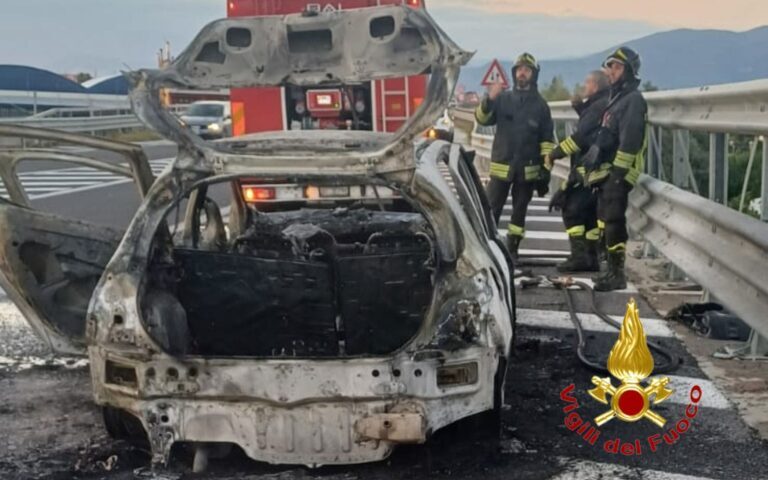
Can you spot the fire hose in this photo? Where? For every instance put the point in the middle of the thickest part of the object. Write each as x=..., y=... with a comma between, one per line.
x=673, y=361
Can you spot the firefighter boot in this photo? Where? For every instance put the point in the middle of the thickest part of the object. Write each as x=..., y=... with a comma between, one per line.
x=602, y=250
x=582, y=259
x=614, y=278
x=593, y=253
x=513, y=243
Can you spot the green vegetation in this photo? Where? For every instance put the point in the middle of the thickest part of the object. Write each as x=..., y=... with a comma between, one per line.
x=648, y=86
x=131, y=136
x=739, y=148
x=556, y=90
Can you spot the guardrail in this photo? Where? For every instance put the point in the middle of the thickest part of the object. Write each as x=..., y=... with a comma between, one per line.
x=725, y=251
x=79, y=120
x=78, y=124
x=61, y=99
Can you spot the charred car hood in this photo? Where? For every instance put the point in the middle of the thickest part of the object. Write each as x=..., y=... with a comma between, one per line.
x=326, y=49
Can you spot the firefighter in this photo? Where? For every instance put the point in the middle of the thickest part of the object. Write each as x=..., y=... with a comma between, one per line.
x=577, y=201
x=524, y=136
x=614, y=163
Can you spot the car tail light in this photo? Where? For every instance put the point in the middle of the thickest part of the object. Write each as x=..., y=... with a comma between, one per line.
x=414, y=3
x=456, y=375
x=258, y=194
x=312, y=193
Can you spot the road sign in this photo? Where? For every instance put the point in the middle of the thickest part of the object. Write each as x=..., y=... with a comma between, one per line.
x=495, y=74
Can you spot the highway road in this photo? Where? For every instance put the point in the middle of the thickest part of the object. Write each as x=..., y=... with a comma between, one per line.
x=50, y=429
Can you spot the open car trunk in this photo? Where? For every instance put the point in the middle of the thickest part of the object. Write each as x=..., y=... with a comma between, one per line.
x=305, y=283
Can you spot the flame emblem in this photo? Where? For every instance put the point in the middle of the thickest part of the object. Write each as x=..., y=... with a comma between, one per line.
x=631, y=362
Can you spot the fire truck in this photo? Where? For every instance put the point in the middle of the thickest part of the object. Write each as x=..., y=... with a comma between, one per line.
x=379, y=106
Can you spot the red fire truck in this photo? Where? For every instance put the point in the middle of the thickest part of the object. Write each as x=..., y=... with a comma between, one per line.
x=380, y=106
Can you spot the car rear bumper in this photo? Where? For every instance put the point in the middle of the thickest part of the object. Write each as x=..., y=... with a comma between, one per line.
x=303, y=413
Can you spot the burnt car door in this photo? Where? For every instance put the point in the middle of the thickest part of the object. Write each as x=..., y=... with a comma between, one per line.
x=469, y=189
x=50, y=264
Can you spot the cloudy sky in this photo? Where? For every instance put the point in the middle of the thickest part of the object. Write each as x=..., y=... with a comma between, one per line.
x=104, y=36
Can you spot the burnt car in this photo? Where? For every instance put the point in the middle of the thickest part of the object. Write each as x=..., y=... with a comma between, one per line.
x=326, y=331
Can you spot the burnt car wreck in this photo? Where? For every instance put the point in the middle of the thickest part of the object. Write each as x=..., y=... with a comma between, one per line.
x=325, y=333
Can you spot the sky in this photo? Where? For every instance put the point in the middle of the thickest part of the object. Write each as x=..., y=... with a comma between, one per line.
x=105, y=36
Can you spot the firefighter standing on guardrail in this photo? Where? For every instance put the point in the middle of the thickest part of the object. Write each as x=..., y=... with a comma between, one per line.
x=614, y=163
x=577, y=201
x=524, y=136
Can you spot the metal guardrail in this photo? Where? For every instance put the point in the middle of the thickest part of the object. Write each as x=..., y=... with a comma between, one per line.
x=79, y=120
x=61, y=99
x=740, y=108
x=78, y=124
x=725, y=251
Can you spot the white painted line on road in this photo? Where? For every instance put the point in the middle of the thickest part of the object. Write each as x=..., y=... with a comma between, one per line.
x=544, y=219
x=537, y=235
x=711, y=396
x=631, y=288
x=589, y=470
x=109, y=180
x=532, y=252
x=41, y=189
x=531, y=208
x=91, y=178
x=81, y=189
x=590, y=321
x=58, y=184
x=68, y=173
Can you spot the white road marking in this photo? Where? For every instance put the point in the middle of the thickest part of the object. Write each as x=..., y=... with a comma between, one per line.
x=69, y=176
x=533, y=252
x=589, y=470
x=538, y=235
x=531, y=208
x=48, y=183
x=631, y=288
x=544, y=219
x=591, y=322
x=711, y=396
x=52, y=183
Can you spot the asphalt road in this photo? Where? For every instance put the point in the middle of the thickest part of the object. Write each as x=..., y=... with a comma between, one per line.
x=49, y=428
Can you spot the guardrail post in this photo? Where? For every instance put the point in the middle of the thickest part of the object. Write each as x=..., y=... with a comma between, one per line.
x=682, y=176
x=654, y=152
x=718, y=168
x=681, y=161
x=764, y=187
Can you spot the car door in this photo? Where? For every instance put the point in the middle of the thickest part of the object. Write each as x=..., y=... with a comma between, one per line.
x=469, y=189
x=49, y=263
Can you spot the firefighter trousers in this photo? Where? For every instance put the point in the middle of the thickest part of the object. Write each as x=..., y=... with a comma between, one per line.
x=612, y=203
x=522, y=193
x=580, y=213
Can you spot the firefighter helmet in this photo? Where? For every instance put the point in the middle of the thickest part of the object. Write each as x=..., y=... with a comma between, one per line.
x=628, y=57
x=529, y=61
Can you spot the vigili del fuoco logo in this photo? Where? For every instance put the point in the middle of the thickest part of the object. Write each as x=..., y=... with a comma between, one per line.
x=631, y=362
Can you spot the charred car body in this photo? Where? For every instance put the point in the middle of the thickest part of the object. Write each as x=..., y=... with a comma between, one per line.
x=316, y=335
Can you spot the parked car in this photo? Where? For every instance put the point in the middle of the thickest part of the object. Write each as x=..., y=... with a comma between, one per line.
x=322, y=333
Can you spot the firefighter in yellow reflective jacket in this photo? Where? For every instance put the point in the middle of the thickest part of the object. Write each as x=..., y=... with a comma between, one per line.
x=524, y=136
x=615, y=161
x=574, y=198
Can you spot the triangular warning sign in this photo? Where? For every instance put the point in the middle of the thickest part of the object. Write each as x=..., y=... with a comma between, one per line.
x=329, y=8
x=495, y=74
